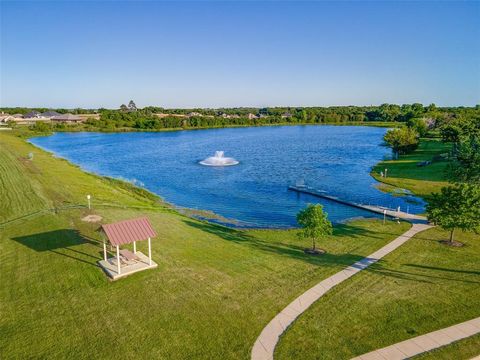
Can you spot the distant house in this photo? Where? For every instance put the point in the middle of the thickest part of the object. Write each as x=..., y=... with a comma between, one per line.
x=252, y=116
x=67, y=118
x=4, y=118
x=18, y=116
x=286, y=115
x=49, y=114
x=31, y=115
x=194, y=113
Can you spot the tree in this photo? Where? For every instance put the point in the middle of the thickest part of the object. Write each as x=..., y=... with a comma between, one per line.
x=123, y=107
x=314, y=223
x=466, y=166
x=419, y=125
x=402, y=140
x=132, y=106
x=456, y=207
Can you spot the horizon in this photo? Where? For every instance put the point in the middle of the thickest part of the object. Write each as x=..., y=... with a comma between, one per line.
x=230, y=54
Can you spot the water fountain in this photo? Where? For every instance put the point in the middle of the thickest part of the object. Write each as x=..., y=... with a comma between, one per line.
x=219, y=160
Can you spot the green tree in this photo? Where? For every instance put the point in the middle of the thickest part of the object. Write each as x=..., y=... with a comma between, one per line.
x=402, y=140
x=123, y=107
x=419, y=125
x=314, y=223
x=466, y=166
x=456, y=207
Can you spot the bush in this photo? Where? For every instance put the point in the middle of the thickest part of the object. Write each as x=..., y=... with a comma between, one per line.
x=403, y=140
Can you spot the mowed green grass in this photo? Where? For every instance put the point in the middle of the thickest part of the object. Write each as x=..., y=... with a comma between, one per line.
x=17, y=193
x=213, y=292
x=404, y=172
x=421, y=287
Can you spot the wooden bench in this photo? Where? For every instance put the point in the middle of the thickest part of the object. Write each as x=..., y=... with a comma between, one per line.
x=128, y=255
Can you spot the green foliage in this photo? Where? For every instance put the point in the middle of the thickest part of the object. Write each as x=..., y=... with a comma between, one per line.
x=462, y=125
x=41, y=126
x=419, y=125
x=466, y=166
x=158, y=118
x=314, y=223
x=403, y=140
x=456, y=207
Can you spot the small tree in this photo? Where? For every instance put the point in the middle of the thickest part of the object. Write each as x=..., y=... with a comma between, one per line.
x=123, y=107
x=314, y=223
x=402, y=140
x=456, y=207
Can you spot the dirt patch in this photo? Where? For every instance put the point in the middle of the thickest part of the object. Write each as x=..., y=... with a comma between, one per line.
x=451, y=243
x=310, y=251
x=92, y=218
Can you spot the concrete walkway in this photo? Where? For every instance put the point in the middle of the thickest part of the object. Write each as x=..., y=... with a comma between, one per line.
x=423, y=343
x=265, y=344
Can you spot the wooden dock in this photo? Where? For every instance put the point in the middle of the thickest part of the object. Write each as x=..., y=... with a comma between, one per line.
x=372, y=208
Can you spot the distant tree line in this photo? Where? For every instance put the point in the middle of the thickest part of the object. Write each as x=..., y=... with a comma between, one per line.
x=415, y=116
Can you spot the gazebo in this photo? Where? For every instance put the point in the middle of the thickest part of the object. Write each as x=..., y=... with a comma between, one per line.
x=125, y=262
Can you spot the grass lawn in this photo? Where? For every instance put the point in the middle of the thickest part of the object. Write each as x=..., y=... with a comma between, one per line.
x=213, y=292
x=404, y=172
x=421, y=287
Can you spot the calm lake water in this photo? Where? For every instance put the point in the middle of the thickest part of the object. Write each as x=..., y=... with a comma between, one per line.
x=336, y=159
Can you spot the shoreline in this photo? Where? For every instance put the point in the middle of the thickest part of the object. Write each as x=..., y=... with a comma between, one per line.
x=80, y=128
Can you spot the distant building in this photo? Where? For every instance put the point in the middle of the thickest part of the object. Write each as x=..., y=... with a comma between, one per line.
x=286, y=115
x=49, y=114
x=67, y=118
x=252, y=116
x=194, y=113
x=4, y=118
x=31, y=115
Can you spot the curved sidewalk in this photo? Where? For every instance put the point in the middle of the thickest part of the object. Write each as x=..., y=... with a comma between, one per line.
x=265, y=344
x=424, y=343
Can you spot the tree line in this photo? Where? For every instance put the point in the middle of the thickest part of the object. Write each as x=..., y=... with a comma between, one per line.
x=415, y=115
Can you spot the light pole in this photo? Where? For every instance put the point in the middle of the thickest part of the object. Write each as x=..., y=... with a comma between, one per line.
x=88, y=199
x=386, y=173
x=384, y=216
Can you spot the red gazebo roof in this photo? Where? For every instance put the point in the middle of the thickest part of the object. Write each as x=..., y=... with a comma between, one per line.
x=128, y=231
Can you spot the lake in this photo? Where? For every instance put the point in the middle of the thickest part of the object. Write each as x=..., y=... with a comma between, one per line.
x=335, y=159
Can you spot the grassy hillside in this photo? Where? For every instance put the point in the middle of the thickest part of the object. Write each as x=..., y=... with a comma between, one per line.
x=213, y=292
x=404, y=172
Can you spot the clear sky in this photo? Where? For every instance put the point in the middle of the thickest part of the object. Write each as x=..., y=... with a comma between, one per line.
x=213, y=54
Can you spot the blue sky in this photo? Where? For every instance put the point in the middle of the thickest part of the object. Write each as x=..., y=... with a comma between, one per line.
x=213, y=54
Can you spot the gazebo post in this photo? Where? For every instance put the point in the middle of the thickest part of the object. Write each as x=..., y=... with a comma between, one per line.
x=149, y=252
x=104, y=251
x=134, y=247
x=118, y=260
